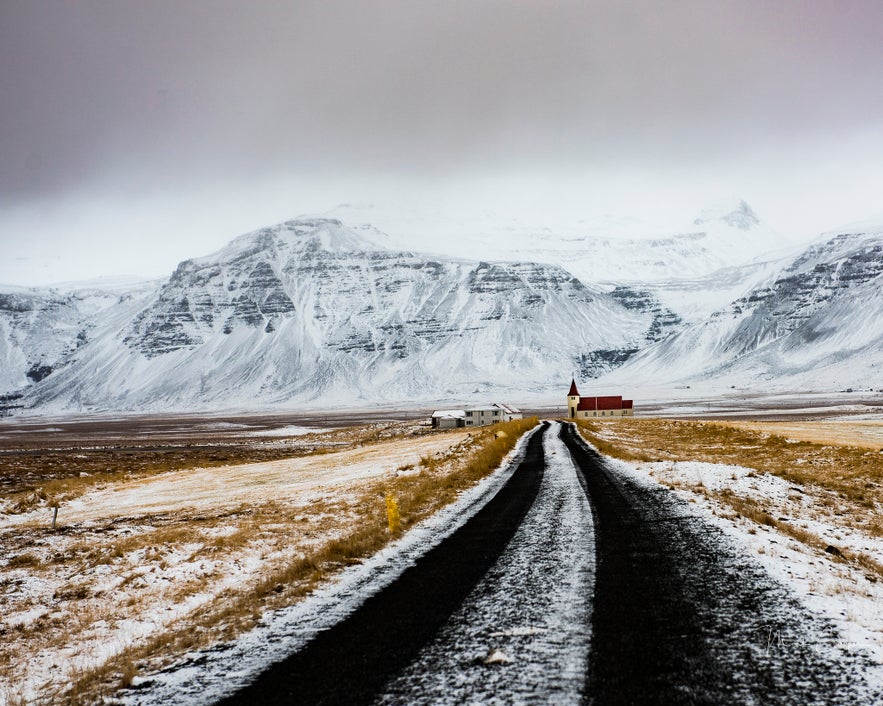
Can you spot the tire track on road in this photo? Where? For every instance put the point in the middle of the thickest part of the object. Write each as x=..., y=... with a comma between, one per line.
x=532, y=610
x=683, y=616
x=350, y=662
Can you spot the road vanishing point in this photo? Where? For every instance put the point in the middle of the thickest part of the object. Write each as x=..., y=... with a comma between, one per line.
x=574, y=583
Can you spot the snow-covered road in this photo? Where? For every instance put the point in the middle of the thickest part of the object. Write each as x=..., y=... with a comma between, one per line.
x=521, y=635
x=565, y=580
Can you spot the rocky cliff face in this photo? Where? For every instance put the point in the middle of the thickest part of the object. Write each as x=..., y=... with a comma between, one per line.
x=818, y=321
x=43, y=330
x=826, y=273
x=309, y=309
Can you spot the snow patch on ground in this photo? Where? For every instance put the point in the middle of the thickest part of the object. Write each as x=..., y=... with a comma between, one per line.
x=527, y=617
x=208, y=676
x=292, y=430
x=843, y=593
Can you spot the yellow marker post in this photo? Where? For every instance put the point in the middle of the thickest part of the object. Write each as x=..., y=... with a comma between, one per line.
x=392, y=514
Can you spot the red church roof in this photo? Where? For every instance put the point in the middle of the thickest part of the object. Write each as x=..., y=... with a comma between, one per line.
x=603, y=403
x=587, y=403
x=610, y=402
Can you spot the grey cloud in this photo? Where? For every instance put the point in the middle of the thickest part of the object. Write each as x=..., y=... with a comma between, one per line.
x=167, y=91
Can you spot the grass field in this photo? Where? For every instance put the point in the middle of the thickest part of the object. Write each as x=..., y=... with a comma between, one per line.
x=164, y=549
x=147, y=564
x=838, y=465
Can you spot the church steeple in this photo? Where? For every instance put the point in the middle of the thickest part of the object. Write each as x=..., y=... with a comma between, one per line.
x=573, y=391
x=572, y=400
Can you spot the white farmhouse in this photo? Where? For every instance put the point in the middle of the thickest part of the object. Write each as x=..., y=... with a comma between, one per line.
x=448, y=418
x=475, y=416
x=491, y=414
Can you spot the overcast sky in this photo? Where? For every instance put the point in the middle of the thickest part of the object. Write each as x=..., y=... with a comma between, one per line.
x=134, y=134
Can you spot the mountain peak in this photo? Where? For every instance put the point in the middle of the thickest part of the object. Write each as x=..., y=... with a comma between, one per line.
x=298, y=234
x=327, y=234
x=742, y=216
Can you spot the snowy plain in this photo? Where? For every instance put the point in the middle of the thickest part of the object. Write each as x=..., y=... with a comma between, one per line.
x=205, y=677
x=849, y=597
x=67, y=620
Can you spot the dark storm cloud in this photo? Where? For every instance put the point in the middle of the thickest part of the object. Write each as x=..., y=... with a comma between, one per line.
x=153, y=93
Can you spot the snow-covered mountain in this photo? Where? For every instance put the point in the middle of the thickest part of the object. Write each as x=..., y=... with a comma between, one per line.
x=314, y=310
x=42, y=330
x=610, y=250
x=719, y=239
x=692, y=268
x=817, y=323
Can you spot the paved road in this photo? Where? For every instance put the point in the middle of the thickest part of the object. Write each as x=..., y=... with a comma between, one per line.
x=530, y=610
x=574, y=584
x=350, y=663
x=682, y=616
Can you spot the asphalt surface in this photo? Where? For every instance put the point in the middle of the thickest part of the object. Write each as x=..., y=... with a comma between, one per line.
x=682, y=616
x=350, y=663
x=575, y=584
x=520, y=635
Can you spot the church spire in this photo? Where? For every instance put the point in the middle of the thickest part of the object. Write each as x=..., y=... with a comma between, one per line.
x=573, y=391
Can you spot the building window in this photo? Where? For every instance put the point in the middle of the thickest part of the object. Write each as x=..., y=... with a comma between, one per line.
x=468, y=414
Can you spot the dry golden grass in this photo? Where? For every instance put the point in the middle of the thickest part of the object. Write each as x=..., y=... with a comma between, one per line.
x=755, y=511
x=867, y=434
x=851, y=474
x=854, y=473
x=299, y=545
x=29, y=478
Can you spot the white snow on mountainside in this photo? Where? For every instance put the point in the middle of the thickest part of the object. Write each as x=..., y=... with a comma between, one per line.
x=692, y=270
x=41, y=329
x=717, y=240
x=817, y=324
x=312, y=312
x=612, y=250
x=309, y=310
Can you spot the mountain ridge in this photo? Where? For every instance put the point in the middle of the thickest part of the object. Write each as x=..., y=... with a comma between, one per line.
x=311, y=311
x=819, y=320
